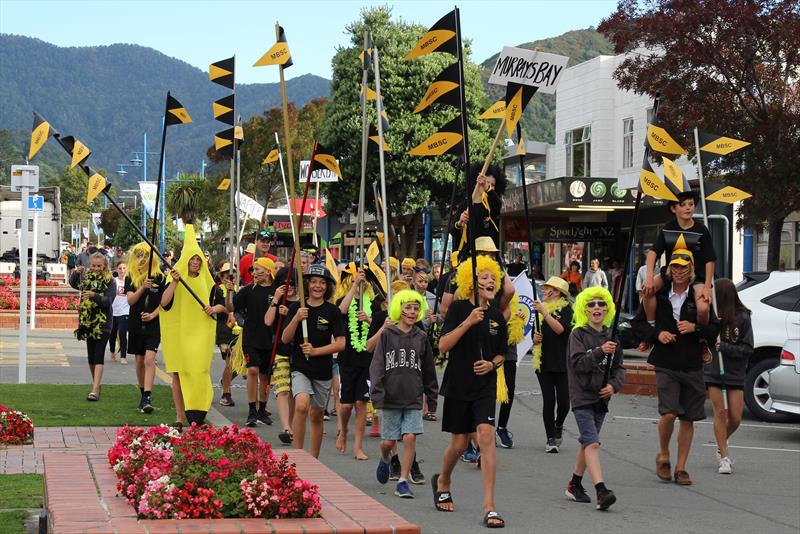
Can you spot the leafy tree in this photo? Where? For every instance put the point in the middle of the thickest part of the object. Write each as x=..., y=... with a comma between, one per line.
x=412, y=182
x=182, y=198
x=729, y=67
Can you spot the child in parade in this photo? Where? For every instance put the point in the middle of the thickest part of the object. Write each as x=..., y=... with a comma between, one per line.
x=402, y=370
x=223, y=295
x=588, y=352
x=312, y=358
x=94, y=320
x=475, y=335
x=120, y=310
x=735, y=345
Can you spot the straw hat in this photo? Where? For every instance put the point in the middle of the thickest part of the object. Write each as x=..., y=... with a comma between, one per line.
x=251, y=248
x=485, y=244
x=558, y=283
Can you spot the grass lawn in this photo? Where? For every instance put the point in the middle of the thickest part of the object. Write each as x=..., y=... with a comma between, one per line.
x=17, y=493
x=66, y=405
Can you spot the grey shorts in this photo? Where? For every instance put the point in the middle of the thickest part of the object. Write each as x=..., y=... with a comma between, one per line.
x=682, y=393
x=316, y=389
x=398, y=422
x=590, y=421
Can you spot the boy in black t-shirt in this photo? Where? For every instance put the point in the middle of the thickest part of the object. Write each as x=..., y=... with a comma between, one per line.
x=475, y=335
x=223, y=294
x=312, y=358
x=281, y=372
x=253, y=301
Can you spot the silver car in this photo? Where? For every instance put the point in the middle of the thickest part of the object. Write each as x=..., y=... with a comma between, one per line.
x=784, y=380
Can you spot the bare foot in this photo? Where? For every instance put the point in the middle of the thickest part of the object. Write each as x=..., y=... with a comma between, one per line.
x=341, y=442
x=361, y=456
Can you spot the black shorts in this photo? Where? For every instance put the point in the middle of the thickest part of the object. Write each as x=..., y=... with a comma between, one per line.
x=261, y=358
x=354, y=384
x=96, y=349
x=463, y=417
x=139, y=343
x=727, y=386
x=682, y=393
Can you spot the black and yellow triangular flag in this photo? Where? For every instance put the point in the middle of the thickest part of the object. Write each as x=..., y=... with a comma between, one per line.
x=222, y=72
x=96, y=186
x=373, y=136
x=660, y=141
x=448, y=140
x=371, y=95
x=384, y=117
x=272, y=157
x=441, y=37
x=724, y=193
x=277, y=55
x=223, y=109
x=224, y=184
x=39, y=134
x=442, y=89
x=650, y=184
x=326, y=158
x=79, y=154
x=366, y=55
x=675, y=179
x=521, y=150
x=713, y=147
x=223, y=142
x=517, y=97
x=176, y=113
x=495, y=111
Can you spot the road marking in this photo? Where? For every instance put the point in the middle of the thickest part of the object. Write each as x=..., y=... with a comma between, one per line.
x=31, y=345
x=37, y=360
x=753, y=448
x=164, y=376
x=749, y=425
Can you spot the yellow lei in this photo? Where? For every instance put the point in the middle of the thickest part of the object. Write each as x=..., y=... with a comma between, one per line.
x=551, y=307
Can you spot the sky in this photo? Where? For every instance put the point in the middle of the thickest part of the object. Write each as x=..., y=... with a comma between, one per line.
x=194, y=30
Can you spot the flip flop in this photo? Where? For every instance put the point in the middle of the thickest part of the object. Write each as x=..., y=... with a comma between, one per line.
x=440, y=497
x=493, y=516
x=285, y=437
x=93, y=397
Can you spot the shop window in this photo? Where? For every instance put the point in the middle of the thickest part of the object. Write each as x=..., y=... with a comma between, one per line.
x=627, y=143
x=578, y=143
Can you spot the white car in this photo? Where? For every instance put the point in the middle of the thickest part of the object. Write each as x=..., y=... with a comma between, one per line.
x=774, y=299
x=784, y=380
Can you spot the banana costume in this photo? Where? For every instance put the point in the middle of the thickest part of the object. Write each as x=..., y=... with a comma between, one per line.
x=187, y=333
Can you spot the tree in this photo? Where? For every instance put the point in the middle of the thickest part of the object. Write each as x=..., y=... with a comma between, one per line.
x=182, y=198
x=729, y=67
x=412, y=182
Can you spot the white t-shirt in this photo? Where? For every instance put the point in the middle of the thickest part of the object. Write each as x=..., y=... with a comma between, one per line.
x=120, y=305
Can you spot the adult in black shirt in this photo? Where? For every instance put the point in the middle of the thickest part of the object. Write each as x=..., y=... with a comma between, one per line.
x=476, y=336
x=252, y=301
x=312, y=361
x=517, y=267
x=487, y=203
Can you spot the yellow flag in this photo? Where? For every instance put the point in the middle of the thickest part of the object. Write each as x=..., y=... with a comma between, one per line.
x=441, y=89
x=441, y=37
x=272, y=157
x=39, y=134
x=517, y=97
x=79, y=154
x=651, y=185
x=373, y=251
x=330, y=264
x=448, y=140
x=277, y=55
x=521, y=151
x=223, y=109
x=176, y=113
x=375, y=138
x=661, y=141
x=221, y=72
x=495, y=111
x=673, y=173
x=723, y=145
x=728, y=194
x=96, y=185
x=221, y=142
x=224, y=184
x=329, y=162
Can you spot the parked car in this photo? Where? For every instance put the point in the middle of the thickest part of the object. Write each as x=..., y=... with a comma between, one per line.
x=774, y=299
x=784, y=380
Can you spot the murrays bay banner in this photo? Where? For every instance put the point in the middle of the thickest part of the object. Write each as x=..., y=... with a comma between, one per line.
x=528, y=67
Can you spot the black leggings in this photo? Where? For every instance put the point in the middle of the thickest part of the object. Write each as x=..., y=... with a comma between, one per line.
x=510, y=370
x=96, y=349
x=119, y=325
x=554, y=390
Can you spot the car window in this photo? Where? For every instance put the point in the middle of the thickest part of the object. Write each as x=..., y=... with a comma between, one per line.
x=786, y=300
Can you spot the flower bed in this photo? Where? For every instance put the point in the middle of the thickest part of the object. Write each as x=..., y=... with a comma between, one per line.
x=9, y=300
x=16, y=428
x=207, y=473
x=14, y=282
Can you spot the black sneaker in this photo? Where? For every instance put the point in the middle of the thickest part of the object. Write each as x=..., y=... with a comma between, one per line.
x=263, y=418
x=226, y=400
x=252, y=418
x=576, y=493
x=506, y=438
x=416, y=476
x=394, y=468
x=559, y=437
x=551, y=446
x=141, y=403
x=605, y=498
x=146, y=406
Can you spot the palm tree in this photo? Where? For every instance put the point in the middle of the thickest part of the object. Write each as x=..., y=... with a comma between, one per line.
x=182, y=199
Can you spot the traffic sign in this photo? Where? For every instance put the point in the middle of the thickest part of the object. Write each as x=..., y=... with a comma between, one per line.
x=36, y=202
x=25, y=176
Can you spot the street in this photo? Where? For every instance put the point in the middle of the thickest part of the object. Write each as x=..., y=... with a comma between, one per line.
x=761, y=495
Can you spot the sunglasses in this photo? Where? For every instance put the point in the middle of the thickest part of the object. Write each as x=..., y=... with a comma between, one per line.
x=596, y=304
x=422, y=270
x=683, y=257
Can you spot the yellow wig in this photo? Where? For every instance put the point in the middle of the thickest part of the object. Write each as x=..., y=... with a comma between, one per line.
x=516, y=325
x=464, y=274
x=404, y=297
x=580, y=317
x=135, y=271
x=399, y=285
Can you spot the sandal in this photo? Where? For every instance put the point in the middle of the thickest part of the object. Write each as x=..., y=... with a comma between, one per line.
x=285, y=437
x=663, y=469
x=440, y=497
x=93, y=397
x=430, y=416
x=499, y=522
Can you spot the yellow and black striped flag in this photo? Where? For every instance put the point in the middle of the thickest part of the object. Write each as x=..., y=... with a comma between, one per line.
x=650, y=184
x=223, y=109
x=176, y=113
x=277, y=55
x=517, y=97
x=441, y=37
x=39, y=134
x=448, y=140
x=724, y=193
x=495, y=111
x=442, y=90
x=223, y=142
x=222, y=72
x=373, y=136
x=272, y=157
x=366, y=55
x=675, y=179
x=662, y=142
x=96, y=186
x=713, y=147
x=371, y=95
x=325, y=157
x=384, y=117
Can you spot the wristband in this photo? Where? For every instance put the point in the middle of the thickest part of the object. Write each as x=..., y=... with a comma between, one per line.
x=495, y=365
x=275, y=304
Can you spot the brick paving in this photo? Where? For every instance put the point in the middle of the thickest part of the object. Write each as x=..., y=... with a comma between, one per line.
x=69, y=439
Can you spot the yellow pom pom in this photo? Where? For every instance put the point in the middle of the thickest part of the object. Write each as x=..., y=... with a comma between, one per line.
x=502, y=387
x=537, y=357
x=238, y=364
x=516, y=326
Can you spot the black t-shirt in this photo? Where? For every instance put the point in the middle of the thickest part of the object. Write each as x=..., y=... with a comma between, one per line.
x=554, y=346
x=703, y=251
x=515, y=269
x=350, y=356
x=482, y=341
x=224, y=332
x=324, y=324
x=148, y=302
x=284, y=349
x=253, y=301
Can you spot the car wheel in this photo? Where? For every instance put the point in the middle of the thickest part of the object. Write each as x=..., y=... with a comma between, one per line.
x=756, y=392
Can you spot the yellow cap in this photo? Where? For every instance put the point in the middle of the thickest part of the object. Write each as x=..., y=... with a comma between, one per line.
x=393, y=263
x=409, y=262
x=267, y=264
x=681, y=256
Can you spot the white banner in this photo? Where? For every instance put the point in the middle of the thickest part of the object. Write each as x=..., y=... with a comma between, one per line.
x=86, y=232
x=247, y=205
x=528, y=67
x=320, y=175
x=96, y=224
x=148, y=190
x=524, y=290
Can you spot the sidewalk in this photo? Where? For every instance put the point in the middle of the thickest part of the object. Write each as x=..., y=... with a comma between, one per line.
x=72, y=439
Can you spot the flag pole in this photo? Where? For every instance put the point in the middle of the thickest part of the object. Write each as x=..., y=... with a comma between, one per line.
x=237, y=151
x=378, y=105
x=363, y=185
x=446, y=240
x=160, y=178
x=494, y=146
x=521, y=155
x=316, y=215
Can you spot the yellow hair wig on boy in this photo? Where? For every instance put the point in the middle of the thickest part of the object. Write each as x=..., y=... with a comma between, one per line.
x=464, y=274
x=135, y=271
x=516, y=325
x=404, y=297
x=581, y=317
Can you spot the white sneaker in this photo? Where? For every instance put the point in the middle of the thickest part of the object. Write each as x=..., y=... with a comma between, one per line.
x=725, y=466
x=719, y=455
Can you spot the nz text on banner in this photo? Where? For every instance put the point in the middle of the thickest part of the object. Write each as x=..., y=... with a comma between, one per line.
x=147, y=190
x=247, y=205
x=320, y=174
x=522, y=285
x=528, y=67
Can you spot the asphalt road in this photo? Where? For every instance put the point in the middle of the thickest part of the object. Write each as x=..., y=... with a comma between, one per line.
x=762, y=496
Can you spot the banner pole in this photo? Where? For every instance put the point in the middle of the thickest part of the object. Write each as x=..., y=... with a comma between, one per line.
x=385, y=214
x=363, y=185
x=160, y=178
x=521, y=155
